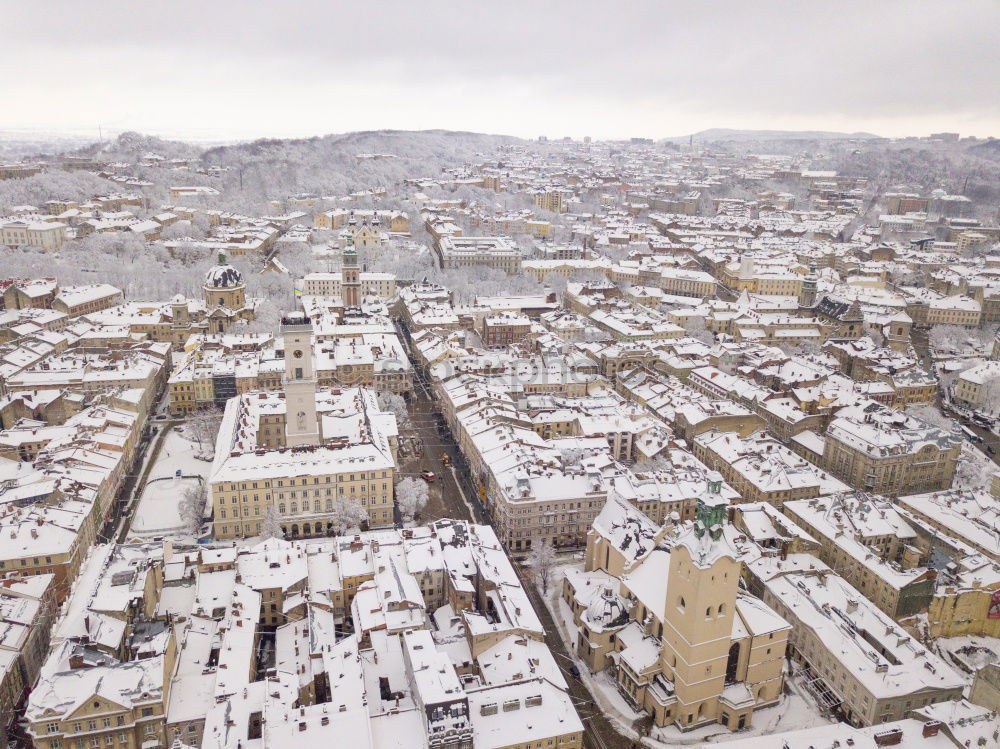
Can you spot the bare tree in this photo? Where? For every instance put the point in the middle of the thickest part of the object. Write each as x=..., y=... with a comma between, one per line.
x=347, y=514
x=204, y=429
x=695, y=327
x=192, y=508
x=931, y=415
x=652, y=465
x=266, y=319
x=542, y=562
x=396, y=405
x=947, y=338
x=974, y=470
x=875, y=334
x=571, y=456
x=270, y=527
x=411, y=497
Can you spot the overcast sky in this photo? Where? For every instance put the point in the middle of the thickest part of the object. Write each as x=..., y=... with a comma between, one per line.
x=223, y=69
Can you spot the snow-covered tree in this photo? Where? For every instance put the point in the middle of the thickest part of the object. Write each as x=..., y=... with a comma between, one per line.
x=347, y=515
x=695, y=327
x=974, y=470
x=991, y=395
x=182, y=230
x=875, y=334
x=946, y=378
x=201, y=223
x=947, y=338
x=542, y=563
x=204, y=429
x=396, y=405
x=270, y=527
x=52, y=183
x=651, y=465
x=931, y=415
x=192, y=507
x=571, y=456
x=906, y=277
x=411, y=497
x=267, y=319
x=593, y=334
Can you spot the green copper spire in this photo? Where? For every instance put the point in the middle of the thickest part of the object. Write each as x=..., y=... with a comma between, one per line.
x=711, y=509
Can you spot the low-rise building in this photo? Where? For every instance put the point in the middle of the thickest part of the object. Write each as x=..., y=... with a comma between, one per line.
x=871, y=546
x=505, y=329
x=884, y=451
x=79, y=300
x=856, y=658
x=978, y=387
x=48, y=235
x=499, y=253
x=381, y=285
x=971, y=516
x=761, y=469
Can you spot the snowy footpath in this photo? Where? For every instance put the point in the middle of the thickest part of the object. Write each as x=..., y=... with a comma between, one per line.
x=158, y=510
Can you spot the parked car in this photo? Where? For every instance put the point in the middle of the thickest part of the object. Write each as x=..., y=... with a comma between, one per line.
x=427, y=476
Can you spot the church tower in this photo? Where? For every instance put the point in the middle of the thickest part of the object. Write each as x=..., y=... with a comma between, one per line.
x=301, y=422
x=807, y=296
x=703, y=578
x=224, y=286
x=351, y=278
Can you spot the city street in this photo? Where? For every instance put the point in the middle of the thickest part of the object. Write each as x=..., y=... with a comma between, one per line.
x=990, y=444
x=457, y=498
x=598, y=731
x=453, y=496
x=447, y=499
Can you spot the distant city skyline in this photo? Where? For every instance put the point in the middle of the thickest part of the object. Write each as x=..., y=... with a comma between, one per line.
x=232, y=71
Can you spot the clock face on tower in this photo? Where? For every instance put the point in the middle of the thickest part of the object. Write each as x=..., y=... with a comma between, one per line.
x=297, y=354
